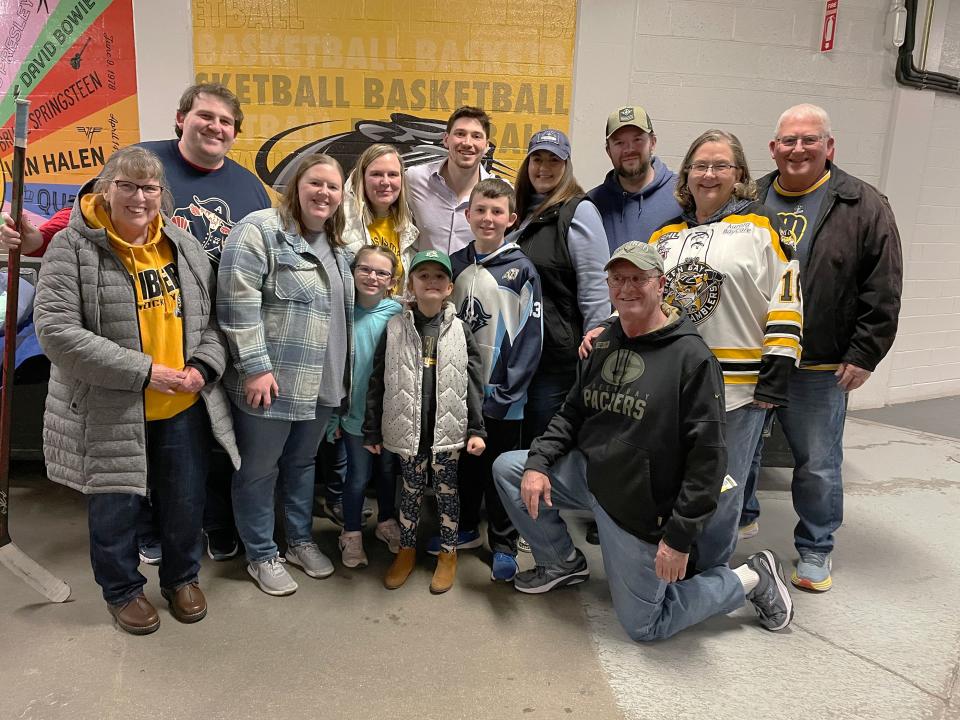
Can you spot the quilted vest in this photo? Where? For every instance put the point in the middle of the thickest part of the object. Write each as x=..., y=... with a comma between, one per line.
x=403, y=385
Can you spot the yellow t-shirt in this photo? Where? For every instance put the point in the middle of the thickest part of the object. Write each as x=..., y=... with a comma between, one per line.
x=383, y=232
x=154, y=270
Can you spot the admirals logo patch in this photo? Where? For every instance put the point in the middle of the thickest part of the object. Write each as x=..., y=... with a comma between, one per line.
x=473, y=314
x=663, y=241
x=694, y=286
x=792, y=228
x=511, y=274
x=207, y=220
x=622, y=367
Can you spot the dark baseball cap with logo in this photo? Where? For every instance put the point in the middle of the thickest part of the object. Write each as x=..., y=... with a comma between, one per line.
x=635, y=116
x=552, y=140
x=641, y=255
x=434, y=256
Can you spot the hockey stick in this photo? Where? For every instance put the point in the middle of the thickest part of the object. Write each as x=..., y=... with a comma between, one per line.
x=12, y=557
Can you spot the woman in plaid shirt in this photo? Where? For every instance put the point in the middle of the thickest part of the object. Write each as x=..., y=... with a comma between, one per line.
x=285, y=305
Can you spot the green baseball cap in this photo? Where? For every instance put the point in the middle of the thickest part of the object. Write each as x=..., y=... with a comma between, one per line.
x=642, y=255
x=434, y=256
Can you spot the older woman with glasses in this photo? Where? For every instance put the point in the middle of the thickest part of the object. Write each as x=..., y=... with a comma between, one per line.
x=727, y=268
x=124, y=312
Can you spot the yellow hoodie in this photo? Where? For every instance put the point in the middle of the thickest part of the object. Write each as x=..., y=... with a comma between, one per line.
x=153, y=268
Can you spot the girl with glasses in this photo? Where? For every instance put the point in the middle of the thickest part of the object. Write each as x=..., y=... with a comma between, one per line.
x=374, y=270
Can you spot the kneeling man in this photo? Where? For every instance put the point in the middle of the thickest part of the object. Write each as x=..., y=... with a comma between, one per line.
x=639, y=442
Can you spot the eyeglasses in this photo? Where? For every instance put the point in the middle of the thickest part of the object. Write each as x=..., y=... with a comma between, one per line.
x=701, y=168
x=126, y=187
x=367, y=271
x=638, y=281
x=807, y=140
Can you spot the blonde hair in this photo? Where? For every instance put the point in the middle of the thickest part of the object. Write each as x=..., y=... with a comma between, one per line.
x=292, y=214
x=395, y=265
x=745, y=187
x=399, y=210
x=136, y=163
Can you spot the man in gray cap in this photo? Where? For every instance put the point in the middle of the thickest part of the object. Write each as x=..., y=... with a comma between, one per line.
x=636, y=197
x=638, y=442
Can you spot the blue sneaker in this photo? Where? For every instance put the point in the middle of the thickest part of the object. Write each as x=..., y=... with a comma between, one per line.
x=504, y=567
x=466, y=540
x=813, y=572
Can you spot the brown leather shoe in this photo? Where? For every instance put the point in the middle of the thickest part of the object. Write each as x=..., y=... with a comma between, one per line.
x=188, y=605
x=401, y=568
x=137, y=617
x=445, y=573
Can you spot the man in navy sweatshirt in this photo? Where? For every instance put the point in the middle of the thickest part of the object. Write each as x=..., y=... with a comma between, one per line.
x=636, y=197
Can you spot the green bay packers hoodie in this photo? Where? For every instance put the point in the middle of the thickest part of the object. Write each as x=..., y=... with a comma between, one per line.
x=648, y=414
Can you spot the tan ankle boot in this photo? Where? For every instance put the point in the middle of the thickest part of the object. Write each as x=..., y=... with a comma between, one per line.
x=401, y=568
x=445, y=573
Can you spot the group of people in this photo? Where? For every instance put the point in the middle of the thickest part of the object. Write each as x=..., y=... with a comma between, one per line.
x=453, y=331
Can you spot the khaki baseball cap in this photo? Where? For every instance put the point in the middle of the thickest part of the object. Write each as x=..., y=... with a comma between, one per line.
x=622, y=117
x=643, y=255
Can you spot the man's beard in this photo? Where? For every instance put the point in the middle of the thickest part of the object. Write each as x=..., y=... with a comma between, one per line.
x=641, y=170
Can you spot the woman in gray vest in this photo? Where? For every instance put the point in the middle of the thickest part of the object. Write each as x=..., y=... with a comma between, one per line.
x=285, y=304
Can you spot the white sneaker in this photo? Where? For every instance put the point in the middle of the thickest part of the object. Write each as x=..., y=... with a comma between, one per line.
x=307, y=557
x=272, y=577
x=389, y=532
x=351, y=549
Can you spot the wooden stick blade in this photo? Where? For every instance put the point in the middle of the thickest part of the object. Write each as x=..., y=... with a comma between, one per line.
x=34, y=575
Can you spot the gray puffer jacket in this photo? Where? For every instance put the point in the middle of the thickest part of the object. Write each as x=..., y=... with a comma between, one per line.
x=94, y=432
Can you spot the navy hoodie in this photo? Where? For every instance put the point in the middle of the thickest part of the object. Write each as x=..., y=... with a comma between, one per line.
x=499, y=298
x=635, y=216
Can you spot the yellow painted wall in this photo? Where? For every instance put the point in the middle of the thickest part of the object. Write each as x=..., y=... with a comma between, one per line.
x=332, y=65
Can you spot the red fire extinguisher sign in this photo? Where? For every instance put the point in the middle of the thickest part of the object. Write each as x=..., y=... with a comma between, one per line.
x=829, y=26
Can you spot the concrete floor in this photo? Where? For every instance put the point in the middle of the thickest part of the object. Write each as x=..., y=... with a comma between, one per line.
x=884, y=643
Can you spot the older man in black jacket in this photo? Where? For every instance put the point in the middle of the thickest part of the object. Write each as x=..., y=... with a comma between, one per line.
x=851, y=274
x=639, y=442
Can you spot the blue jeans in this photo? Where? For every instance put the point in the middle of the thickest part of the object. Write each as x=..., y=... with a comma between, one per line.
x=647, y=607
x=272, y=450
x=751, y=508
x=718, y=539
x=361, y=465
x=331, y=472
x=545, y=396
x=177, y=457
x=813, y=425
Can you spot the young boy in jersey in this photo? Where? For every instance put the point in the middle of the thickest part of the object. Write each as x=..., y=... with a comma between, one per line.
x=497, y=293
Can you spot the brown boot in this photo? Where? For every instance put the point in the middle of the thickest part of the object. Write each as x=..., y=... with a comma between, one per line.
x=445, y=573
x=137, y=617
x=188, y=605
x=401, y=568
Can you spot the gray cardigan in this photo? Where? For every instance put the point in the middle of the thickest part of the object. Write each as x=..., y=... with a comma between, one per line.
x=94, y=431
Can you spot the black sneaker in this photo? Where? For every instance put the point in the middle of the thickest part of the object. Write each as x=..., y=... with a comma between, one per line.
x=222, y=544
x=544, y=579
x=593, y=534
x=770, y=598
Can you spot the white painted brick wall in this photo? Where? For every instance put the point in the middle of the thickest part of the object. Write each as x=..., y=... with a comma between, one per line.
x=736, y=64
x=931, y=310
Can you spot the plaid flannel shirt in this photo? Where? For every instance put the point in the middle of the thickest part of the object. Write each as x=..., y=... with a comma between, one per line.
x=273, y=305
